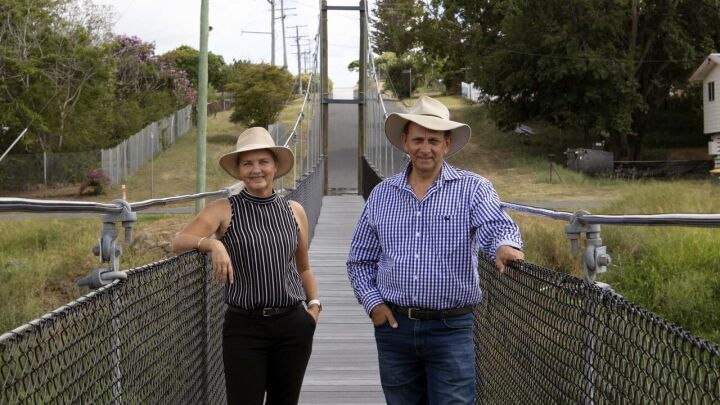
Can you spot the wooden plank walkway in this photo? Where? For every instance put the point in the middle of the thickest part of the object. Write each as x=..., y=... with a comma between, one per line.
x=343, y=367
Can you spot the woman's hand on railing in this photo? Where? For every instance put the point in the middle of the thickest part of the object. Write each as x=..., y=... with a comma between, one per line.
x=222, y=266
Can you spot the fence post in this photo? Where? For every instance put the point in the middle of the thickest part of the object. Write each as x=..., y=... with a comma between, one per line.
x=206, y=327
x=595, y=260
x=117, y=370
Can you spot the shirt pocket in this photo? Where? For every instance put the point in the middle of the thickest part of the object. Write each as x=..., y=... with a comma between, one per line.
x=447, y=232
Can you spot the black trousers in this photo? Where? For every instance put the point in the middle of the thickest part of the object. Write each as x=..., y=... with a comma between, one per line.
x=266, y=354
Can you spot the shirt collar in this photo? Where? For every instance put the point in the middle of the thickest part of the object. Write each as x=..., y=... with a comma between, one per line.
x=447, y=173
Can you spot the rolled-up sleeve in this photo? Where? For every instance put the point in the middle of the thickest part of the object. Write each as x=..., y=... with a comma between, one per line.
x=362, y=262
x=494, y=227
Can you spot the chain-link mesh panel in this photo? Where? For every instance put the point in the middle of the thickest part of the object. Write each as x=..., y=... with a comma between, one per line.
x=544, y=337
x=154, y=338
x=309, y=194
x=20, y=172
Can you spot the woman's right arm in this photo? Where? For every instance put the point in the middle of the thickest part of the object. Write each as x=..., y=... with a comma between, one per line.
x=213, y=219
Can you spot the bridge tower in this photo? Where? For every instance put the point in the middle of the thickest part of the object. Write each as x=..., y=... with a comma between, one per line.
x=343, y=139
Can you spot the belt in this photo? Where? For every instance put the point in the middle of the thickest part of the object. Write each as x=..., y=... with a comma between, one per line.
x=430, y=314
x=264, y=312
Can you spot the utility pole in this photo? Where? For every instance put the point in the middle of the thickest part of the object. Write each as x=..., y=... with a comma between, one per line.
x=202, y=103
x=299, y=53
x=306, y=58
x=272, y=31
x=282, y=17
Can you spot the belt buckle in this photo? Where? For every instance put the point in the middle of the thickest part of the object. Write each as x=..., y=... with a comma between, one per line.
x=410, y=314
x=267, y=312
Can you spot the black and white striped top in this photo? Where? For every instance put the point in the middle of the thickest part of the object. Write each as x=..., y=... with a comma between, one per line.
x=262, y=240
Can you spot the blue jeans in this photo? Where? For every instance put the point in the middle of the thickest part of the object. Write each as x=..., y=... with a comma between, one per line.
x=427, y=362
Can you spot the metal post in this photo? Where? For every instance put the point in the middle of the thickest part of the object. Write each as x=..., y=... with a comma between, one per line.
x=272, y=31
x=410, y=83
x=202, y=104
x=206, y=329
x=117, y=370
x=45, y=167
x=595, y=260
x=324, y=90
x=152, y=164
x=282, y=17
x=361, y=94
x=297, y=43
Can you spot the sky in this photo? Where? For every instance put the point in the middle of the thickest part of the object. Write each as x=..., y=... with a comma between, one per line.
x=170, y=24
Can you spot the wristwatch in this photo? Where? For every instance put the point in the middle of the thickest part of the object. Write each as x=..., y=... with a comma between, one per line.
x=315, y=302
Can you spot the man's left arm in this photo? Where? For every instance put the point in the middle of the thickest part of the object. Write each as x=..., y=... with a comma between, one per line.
x=497, y=234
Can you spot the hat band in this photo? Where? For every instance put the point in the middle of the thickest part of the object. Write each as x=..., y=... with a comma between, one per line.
x=436, y=116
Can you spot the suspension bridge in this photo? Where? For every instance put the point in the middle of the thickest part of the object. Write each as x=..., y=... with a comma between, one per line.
x=153, y=334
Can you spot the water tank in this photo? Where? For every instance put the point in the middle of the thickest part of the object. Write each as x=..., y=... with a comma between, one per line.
x=590, y=161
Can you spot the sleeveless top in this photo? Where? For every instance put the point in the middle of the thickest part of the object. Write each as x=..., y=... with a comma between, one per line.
x=262, y=240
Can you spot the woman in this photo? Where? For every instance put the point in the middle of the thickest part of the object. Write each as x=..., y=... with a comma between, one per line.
x=260, y=253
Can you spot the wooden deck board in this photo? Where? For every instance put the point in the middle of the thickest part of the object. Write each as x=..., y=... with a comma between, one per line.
x=343, y=368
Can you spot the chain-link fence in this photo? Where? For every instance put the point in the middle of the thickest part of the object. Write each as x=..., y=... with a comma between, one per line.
x=23, y=171
x=20, y=172
x=544, y=337
x=154, y=338
x=122, y=160
x=309, y=194
x=378, y=153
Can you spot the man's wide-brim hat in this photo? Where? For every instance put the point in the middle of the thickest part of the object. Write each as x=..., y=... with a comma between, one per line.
x=431, y=114
x=256, y=138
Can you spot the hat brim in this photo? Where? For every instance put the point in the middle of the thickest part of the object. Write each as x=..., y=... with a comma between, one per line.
x=284, y=160
x=395, y=123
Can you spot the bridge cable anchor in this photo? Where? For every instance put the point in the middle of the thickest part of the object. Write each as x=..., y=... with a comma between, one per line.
x=595, y=258
x=108, y=249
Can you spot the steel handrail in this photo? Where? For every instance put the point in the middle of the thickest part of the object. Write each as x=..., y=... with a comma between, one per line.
x=675, y=219
x=13, y=204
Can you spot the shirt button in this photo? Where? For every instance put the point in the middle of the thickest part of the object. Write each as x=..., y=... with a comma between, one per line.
x=415, y=278
x=417, y=256
x=418, y=213
x=417, y=235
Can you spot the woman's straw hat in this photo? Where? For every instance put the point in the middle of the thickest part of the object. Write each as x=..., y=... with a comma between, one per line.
x=253, y=139
x=430, y=114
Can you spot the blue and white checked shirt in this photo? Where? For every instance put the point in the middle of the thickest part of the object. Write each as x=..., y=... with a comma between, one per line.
x=423, y=254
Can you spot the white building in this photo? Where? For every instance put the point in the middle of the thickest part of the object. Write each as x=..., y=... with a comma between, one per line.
x=709, y=74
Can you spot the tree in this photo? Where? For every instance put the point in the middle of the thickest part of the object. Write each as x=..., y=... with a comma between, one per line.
x=187, y=58
x=260, y=94
x=50, y=55
x=145, y=88
x=603, y=67
x=395, y=23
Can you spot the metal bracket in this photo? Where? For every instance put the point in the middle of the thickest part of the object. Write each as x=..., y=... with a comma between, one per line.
x=107, y=248
x=595, y=259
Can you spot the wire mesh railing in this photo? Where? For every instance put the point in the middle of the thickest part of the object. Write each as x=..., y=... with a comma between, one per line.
x=378, y=153
x=305, y=183
x=546, y=337
x=153, y=338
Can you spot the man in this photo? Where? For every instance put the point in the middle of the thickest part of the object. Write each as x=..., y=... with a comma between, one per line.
x=413, y=260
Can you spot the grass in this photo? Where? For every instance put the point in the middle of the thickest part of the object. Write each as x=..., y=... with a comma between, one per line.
x=41, y=259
